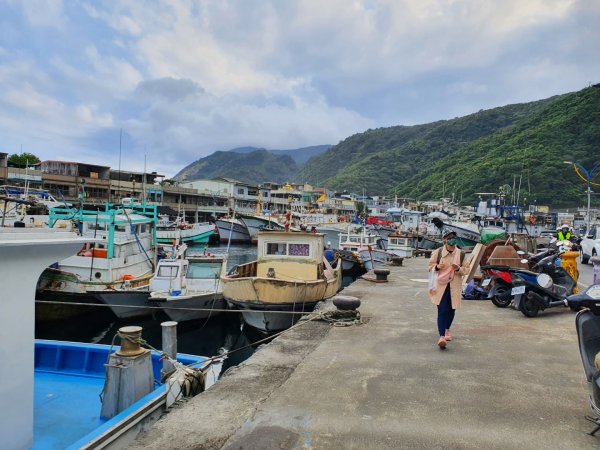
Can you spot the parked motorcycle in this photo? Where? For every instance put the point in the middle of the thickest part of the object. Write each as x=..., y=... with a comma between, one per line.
x=587, y=323
x=498, y=279
x=546, y=289
x=531, y=291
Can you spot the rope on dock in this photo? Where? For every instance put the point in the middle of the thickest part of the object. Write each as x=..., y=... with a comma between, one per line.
x=341, y=318
x=373, y=280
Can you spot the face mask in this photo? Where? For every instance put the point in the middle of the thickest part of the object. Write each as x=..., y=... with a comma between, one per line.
x=452, y=242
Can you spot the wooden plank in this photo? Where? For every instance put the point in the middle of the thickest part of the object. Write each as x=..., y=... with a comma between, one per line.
x=476, y=256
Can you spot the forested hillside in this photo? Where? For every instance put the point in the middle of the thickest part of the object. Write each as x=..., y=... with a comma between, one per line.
x=255, y=167
x=516, y=145
x=524, y=143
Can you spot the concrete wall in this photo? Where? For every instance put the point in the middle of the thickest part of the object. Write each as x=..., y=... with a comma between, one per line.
x=23, y=256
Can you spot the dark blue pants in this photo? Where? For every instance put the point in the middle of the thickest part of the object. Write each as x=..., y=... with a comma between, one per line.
x=445, y=312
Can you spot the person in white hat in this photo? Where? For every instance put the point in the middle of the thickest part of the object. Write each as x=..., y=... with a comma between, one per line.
x=448, y=262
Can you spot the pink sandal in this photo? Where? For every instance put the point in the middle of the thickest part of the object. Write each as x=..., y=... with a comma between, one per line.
x=448, y=336
x=442, y=342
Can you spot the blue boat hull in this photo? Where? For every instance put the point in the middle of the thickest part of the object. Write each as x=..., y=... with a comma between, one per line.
x=68, y=380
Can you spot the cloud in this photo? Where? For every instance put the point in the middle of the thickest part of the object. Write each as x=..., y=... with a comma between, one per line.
x=44, y=13
x=169, y=89
x=183, y=78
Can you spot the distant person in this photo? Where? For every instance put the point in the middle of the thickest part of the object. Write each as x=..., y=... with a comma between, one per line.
x=448, y=262
x=329, y=253
x=564, y=234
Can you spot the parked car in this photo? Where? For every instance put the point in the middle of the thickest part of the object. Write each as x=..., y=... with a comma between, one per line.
x=590, y=244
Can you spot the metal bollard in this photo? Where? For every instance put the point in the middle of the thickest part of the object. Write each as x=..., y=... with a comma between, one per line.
x=169, y=345
x=397, y=260
x=381, y=274
x=595, y=260
x=129, y=374
x=346, y=302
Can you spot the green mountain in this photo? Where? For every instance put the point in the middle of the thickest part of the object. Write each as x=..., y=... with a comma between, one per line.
x=255, y=167
x=299, y=155
x=522, y=145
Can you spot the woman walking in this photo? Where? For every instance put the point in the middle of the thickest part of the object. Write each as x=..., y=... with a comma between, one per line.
x=446, y=292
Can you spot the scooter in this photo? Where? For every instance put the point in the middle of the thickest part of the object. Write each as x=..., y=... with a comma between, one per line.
x=587, y=323
x=499, y=278
x=498, y=281
x=546, y=289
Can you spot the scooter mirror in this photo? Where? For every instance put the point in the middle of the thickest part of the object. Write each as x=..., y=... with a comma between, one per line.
x=525, y=261
x=520, y=252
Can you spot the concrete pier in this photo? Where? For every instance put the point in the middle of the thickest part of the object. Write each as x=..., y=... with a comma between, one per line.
x=505, y=381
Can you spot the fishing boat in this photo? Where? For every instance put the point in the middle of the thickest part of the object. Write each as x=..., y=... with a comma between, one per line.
x=122, y=260
x=467, y=233
x=290, y=274
x=178, y=230
x=232, y=230
x=402, y=244
x=363, y=244
x=428, y=242
x=68, y=380
x=255, y=223
x=54, y=402
x=189, y=288
x=28, y=207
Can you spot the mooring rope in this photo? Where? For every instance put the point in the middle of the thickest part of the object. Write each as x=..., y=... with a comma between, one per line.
x=195, y=378
x=104, y=305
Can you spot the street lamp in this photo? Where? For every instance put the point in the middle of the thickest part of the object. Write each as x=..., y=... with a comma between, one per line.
x=586, y=175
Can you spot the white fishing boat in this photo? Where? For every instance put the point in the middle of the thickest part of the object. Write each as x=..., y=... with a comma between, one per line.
x=402, y=244
x=27, y=207
x=189, y=288
x=122, y=260
x=255, y=223
x=364, y=245
x=467, y=233
x=290, y=274
x=232, y=230
x=178, y=230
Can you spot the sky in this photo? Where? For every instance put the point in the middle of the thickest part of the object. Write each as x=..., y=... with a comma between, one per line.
x=159, y=84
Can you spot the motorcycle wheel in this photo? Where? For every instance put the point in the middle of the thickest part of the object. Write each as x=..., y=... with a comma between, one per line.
x=529, y=307
x=502, y=298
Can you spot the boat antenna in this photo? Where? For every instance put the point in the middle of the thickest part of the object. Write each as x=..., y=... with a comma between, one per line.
x=230, y=227
x=144, y=181
x=119, y=183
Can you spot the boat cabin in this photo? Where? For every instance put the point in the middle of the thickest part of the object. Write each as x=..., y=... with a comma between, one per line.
x=194, y=273
x=355, y=242
x=402, y=244
x=169, y=276
x=402, y=241
x=290, y=256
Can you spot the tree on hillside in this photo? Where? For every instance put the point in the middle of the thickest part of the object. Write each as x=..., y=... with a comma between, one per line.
x=23, y=159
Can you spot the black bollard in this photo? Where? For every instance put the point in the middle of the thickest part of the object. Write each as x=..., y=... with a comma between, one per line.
x=381, y=274
x=397, y=260
x=346, y=302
